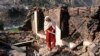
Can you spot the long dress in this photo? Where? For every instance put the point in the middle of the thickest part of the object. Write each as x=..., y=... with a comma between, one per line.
x=50, y=38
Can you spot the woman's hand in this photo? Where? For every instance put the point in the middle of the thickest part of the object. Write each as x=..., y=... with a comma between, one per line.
x=52, y=32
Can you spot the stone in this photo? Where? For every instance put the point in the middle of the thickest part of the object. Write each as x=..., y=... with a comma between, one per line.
x=85, y=54
x=72, y=45
x=16, y=53
x=87, y=43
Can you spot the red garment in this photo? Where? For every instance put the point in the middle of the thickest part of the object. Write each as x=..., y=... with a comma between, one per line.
x=50, y=38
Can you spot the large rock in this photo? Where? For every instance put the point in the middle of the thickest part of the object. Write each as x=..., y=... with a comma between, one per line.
x=16, y=53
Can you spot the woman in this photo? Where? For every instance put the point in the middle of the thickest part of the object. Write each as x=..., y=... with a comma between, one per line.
x=49, y=28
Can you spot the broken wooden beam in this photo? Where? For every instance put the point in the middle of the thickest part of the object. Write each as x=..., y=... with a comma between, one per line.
x=23, y=43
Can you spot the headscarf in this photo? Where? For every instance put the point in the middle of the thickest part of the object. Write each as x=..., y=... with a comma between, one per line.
x=48, y=24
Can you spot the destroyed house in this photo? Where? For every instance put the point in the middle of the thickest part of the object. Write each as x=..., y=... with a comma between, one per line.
x=70, y=21
x=73, y=24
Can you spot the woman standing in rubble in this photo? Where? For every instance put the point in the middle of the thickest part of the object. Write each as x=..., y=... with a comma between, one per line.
x=49, y=28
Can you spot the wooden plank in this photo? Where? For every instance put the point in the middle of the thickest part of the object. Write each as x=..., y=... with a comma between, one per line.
x=23, y=43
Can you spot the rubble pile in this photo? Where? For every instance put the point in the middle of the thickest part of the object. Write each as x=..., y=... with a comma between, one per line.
x=83, y=25
x=83, y=38
x=16, y=37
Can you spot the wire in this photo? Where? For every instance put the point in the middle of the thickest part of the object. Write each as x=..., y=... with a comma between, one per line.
x=81, y=1
x=84, y=3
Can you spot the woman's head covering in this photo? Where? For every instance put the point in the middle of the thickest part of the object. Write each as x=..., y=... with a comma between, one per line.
x=47, y=17
x=47, y=23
